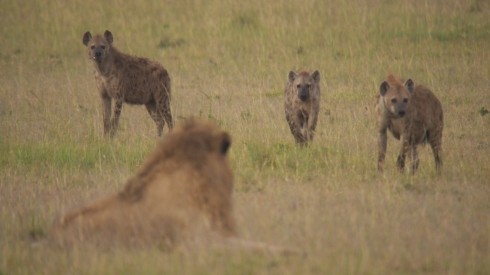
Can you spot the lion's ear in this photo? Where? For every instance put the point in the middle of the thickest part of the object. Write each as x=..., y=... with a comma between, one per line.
x=225, y=143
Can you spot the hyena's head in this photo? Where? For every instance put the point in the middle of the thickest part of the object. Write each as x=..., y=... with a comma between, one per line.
x=98, y=46
x=396, y=96
x=304, y=83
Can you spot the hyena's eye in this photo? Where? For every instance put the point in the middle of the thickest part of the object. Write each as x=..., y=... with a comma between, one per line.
x=405, y=100
x=298, y=86
x=393, y=100
x=103, y=47
x=92, y=47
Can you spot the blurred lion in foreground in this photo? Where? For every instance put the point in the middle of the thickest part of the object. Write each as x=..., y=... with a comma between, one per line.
x=182, y=192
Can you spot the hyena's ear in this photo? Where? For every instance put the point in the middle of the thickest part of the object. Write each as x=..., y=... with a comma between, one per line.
x=108, y=36
x=86, y=38
x=316, y=76
x=410, y=85
x=383, y=88
x=225, y=143
x=291, y=76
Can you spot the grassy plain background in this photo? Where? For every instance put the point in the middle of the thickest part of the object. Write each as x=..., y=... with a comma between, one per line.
x=228, y=61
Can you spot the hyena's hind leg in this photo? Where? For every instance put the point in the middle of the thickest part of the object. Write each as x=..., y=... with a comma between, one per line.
x=435, y=141
x=163, y=101
x=165, y=112
x=415, y=158
x=151, y=107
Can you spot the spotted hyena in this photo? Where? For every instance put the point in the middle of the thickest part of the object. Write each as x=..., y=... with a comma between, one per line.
x=302, y=104
x=128, y=79
x=410, y=112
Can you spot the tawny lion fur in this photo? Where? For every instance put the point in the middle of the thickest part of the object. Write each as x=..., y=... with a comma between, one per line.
x=183, y=193
x=411, y=113
x=128, y=79
x=302, y=104
x=183, y=188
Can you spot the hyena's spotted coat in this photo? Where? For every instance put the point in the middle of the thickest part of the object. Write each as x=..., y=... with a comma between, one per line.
x=128, y=79
x=414, y=114
x=302, y=104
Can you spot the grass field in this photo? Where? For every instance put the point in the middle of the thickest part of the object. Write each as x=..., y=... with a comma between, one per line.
x=229, y=62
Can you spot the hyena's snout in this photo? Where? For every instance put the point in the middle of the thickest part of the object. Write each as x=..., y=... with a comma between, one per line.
x=98, y=54
x=401, y=109
x=399, y=112
x=303, y=93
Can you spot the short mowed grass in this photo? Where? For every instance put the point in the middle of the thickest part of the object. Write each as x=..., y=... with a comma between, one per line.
x=228, y=61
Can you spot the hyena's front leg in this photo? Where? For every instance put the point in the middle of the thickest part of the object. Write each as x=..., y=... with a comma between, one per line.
x=299, y=135
x=115, y=118
x=403, y=153
x=303, y=128
x=295, y=127
x=152, y=110
x=106, y=114
x=312, y=126
x=382, y=144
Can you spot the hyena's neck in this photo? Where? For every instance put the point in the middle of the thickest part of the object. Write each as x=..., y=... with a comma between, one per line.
x=107, y=66
x=104, y=68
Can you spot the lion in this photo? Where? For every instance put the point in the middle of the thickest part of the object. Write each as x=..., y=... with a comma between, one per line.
x=184, y=186
x=183, y=193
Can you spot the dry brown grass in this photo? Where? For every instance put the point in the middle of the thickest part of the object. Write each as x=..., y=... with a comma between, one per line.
x=228, y=62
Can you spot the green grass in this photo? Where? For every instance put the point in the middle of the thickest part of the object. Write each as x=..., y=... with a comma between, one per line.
x=68, y=156
x=229, y=62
